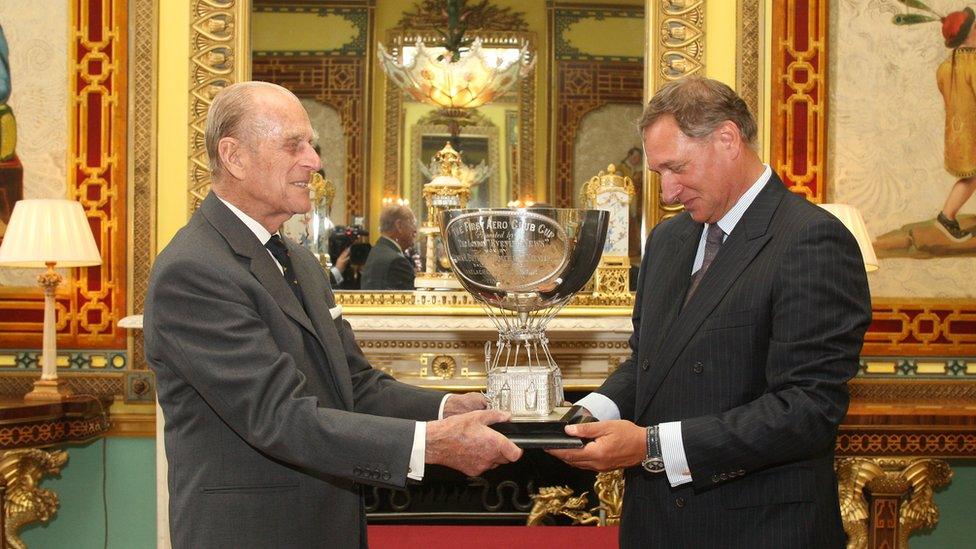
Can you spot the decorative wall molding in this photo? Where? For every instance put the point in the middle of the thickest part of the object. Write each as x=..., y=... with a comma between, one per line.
x=750, y=59
x=419, y=323
x=218, y=58
x=676, y=38
x=799, y=96
x=581, y=87
x=143, y=20
x=582, y=83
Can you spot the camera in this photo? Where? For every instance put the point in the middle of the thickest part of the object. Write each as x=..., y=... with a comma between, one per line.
x=345, y=236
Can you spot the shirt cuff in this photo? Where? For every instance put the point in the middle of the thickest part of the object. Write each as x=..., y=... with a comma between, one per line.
x=440, y=410
x=336, y=274
x=415, y=469
x=600, y=406
x=673, y=453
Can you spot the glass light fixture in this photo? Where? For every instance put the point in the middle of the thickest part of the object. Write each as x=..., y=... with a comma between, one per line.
x=455, y=81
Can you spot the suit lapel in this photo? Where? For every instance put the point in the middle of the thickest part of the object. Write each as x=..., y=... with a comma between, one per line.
x=262, y=266
x=318, y=298
x=668, y=289
x=740, y=248
x=264, y=269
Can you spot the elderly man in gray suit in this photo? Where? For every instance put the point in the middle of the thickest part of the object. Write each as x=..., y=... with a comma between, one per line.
x=750, y=314
x=273, y=416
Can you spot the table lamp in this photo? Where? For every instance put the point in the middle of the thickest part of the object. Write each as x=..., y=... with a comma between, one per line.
x=48, y=233
x=851, y=218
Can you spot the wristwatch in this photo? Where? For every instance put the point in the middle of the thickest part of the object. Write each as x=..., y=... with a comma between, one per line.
x=653, y=463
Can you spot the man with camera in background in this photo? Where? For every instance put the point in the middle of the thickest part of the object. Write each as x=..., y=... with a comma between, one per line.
x=386, y=267
x=350, y=246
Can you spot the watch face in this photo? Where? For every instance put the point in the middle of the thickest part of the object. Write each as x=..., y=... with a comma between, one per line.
x=653, y=465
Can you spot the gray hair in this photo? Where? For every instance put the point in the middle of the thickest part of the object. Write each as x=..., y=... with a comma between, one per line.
x=393, y=213
x=233, y=113
x=699, y=105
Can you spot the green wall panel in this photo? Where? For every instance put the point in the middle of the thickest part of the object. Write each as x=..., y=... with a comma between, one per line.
x=130, y=490
x=956, y=502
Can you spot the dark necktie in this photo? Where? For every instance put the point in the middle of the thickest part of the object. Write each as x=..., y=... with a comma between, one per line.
x=713, y=241
x=280, y=252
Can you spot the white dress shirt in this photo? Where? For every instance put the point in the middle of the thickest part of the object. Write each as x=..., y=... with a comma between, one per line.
x=672, y=447
x=415, y=469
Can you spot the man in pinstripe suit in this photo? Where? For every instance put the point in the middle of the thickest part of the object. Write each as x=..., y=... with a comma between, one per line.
x=749, y=318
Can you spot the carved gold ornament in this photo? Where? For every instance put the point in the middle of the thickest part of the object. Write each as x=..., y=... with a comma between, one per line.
x=560, y=501
x=899, y=488
x=443, y=366
x=25, y=502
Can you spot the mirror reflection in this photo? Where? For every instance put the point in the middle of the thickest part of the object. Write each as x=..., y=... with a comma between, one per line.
x=565, y=113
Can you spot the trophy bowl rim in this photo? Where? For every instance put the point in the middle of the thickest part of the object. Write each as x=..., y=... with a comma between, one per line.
x=481, y=291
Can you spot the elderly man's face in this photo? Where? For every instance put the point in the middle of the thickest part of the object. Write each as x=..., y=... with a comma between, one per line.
x=280, y=159
x=691, y=170
x=406, y=232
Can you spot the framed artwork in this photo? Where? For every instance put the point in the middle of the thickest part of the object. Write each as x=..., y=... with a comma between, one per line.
x=857, y=117
x=83, y=156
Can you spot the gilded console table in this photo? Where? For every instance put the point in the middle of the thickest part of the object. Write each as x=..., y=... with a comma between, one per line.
x=28, y=431
x=891, y=452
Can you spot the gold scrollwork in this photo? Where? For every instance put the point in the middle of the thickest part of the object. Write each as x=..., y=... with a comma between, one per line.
x=25, y=502
x=892, y=477
x=682, y=38
x=218, y=55
x=679, y=50
x=560, y=501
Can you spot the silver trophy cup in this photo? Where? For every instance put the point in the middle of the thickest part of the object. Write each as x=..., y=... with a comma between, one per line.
x=523, y=266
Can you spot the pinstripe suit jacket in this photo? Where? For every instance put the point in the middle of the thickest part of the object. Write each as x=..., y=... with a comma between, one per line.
x=755, y=367
x=273, y=415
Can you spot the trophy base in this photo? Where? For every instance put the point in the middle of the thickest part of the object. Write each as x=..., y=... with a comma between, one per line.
x=546, y=432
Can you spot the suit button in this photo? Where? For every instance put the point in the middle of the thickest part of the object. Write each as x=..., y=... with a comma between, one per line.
x=679, y=502
x=698, y=367
x=716, y=479
x=386, y=476
x=644, y=364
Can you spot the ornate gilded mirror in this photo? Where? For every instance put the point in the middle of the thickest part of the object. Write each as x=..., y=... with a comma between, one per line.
x=375, y=138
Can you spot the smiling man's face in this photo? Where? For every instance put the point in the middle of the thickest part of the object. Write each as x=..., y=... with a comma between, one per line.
x=693, y=171
x=278, y=160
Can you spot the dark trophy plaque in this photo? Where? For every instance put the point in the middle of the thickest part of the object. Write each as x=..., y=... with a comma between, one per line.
x=545, y=432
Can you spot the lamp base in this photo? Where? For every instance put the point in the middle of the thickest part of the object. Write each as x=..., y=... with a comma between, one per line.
x=49, y=390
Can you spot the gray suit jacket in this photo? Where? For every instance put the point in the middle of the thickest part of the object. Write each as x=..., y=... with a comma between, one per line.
x=273, y=415
x=386, y=268
x=755, y=367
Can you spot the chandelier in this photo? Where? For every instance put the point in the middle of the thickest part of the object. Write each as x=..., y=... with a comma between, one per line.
x=454, y=81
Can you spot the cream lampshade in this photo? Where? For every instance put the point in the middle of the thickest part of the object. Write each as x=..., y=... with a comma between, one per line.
x=851, y=218
x=48, y=233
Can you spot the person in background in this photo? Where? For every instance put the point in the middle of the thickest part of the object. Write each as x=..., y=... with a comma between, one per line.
x=387, y=268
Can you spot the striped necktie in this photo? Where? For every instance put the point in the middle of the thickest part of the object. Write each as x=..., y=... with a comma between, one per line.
x=713, y=241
